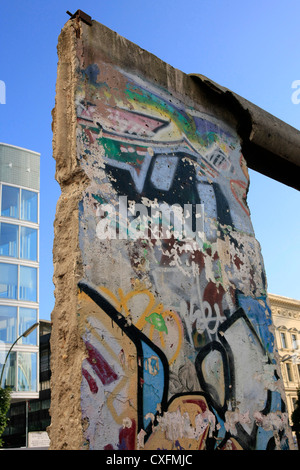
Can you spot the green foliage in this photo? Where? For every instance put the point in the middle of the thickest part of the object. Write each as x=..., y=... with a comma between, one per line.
x=4, y=407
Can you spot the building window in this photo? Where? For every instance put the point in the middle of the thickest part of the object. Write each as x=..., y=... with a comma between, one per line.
x=44, y=360
x=28, y=284
x=283, y=340
x=294, y=341
x=10, y=287
x=19, y=203
x=27, y=318
x=20, y=372
x=27, y=372
x=14, y=321
x=8, y=281
x=45, y=385
x=9, y=240
x=10, y=201
x=8, y=323
x=29, y=206
x=46, y=404
x=28, y=243
x=9, y=375
x=289, y=372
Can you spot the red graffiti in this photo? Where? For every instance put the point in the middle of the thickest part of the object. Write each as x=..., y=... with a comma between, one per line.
x=214, y=295
x=127, y=437
x=100, y=366
x=239, y=190
x=91, y=382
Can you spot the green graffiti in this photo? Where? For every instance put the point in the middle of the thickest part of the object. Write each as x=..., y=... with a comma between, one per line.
x=207, y=246
x=99, y=199
x=157, y=320
x=113, y=150
x=179, y=117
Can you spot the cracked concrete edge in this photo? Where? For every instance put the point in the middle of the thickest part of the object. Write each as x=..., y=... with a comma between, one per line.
x=67, y=349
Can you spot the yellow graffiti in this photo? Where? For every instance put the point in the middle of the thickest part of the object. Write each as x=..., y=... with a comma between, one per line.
x=129, y=366
x=172, y=432
x=121, y=304
x=128, y=363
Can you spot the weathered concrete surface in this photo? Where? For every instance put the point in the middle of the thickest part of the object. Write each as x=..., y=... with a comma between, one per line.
x=67, y=352
x=161, y=338
x=270, y=146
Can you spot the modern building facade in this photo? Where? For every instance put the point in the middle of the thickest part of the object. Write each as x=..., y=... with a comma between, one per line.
x=32, y=416
x=19, y=269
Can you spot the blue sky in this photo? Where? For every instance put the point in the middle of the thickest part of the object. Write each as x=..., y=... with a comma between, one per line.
x=250, y=47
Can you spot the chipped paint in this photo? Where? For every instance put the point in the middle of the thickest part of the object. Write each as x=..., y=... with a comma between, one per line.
x=179, y=349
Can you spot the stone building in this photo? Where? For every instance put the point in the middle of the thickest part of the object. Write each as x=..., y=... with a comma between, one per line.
x=286, y=319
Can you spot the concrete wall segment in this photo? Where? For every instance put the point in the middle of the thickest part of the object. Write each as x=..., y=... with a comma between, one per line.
x=157, y=342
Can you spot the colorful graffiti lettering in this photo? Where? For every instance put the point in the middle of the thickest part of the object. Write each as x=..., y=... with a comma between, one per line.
x=179, y=354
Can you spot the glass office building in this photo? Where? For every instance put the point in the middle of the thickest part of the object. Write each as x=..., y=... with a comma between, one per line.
x=19, y=269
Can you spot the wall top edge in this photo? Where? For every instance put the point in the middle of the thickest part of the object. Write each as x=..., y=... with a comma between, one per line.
x=278, y=141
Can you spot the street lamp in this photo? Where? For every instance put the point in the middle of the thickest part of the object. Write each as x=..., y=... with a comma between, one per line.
x=25, y=334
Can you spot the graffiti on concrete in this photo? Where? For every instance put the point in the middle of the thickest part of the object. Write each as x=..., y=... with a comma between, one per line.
x=172, y=303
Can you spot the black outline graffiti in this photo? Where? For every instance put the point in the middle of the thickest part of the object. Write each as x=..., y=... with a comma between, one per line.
x=137, y=337
x=243, y=438
x=209, y=389
x=185, y=175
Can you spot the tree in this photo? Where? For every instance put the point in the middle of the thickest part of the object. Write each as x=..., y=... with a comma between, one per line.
x=4, y=407
x=296, y=418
